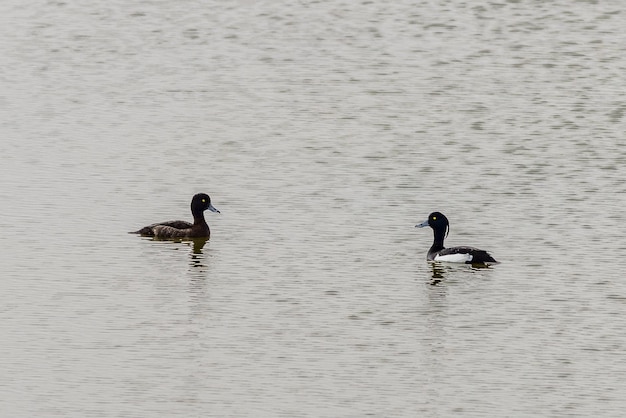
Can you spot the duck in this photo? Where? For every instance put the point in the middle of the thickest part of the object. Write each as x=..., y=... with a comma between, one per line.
x=182, y=229
x=437, y=252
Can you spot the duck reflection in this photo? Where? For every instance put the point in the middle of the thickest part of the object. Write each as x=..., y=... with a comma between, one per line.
x=438, y=273
x=441, y=270
x=197, y=256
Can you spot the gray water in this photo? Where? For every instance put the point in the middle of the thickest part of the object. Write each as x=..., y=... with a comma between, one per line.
x=323, y=131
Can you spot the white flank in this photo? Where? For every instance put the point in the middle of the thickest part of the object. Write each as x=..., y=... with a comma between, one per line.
x=454, y=258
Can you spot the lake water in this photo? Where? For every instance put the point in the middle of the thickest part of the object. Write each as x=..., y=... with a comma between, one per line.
x=323, y=131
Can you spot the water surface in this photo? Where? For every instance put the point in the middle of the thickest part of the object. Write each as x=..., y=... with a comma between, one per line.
x=323, y=131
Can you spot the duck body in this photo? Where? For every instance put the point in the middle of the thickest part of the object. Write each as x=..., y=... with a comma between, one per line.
x=182, y=229
x=467, y=255
x=437, y=252
x=175, y=229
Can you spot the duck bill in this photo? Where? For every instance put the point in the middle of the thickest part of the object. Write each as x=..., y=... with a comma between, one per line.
x=212, y=208
x=423, y=224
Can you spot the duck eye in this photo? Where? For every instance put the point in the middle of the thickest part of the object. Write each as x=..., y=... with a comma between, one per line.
x=203, y=200
x=434, y=218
